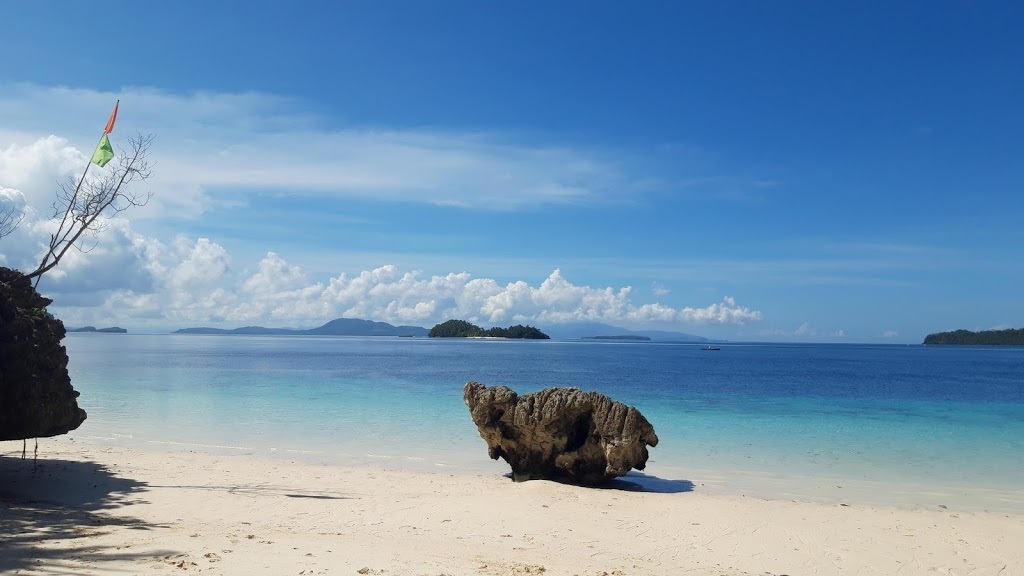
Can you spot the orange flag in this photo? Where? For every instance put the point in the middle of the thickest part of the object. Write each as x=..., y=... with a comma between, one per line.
x=113, y=116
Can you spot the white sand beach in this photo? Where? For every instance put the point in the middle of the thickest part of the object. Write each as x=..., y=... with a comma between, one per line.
x=93, y=509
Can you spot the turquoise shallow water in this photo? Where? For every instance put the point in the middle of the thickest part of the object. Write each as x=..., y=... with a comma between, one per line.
x=919, y=418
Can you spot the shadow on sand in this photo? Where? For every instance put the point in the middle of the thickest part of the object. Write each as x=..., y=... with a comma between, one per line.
x=50, y=512
x=638, y=482
x=258, y=490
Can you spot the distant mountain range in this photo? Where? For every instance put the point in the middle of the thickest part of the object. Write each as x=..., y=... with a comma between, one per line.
x=338, y=327
x=111, y=330
x=356, y=327
x=588, y=330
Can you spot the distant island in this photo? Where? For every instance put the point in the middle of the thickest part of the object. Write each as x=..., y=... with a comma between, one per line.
x=1011, y=337
x=358, y=327
x=337, y=327
x=463, y=329
x=111, y=330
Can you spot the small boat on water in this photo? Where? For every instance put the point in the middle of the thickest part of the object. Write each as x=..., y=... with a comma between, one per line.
x=711, y=349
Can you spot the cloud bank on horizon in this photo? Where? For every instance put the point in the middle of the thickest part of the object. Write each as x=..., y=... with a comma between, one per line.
x=130, y=278
x=135, y=278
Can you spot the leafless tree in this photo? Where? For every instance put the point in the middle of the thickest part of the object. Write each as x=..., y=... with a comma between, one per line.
x=10, y=218
x=80, y=205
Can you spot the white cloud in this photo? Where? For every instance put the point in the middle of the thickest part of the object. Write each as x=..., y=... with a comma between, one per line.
x=192, y=283
x=200, y=265
x=116, y=257
x=273, y=275
x=726, y=312
x=133, y=279
x=660, y=289
x=890, y=334
x=208, y=142
x=803, y=332
x=130, y=278
x=12, y=212
x=11, y=200
x=35, y=168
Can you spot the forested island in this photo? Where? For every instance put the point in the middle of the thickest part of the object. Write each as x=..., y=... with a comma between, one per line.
x=463, y=329
x=1010, y=337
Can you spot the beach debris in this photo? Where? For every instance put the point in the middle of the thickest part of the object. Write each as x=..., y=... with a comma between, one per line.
x=560, y=433
x=184, y=564
x=508, y=568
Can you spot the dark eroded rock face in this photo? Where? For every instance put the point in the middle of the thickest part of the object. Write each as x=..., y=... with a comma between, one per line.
x=560, y=433
x=36, y=397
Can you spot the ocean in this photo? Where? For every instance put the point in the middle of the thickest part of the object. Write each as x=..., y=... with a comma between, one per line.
x=889, y=425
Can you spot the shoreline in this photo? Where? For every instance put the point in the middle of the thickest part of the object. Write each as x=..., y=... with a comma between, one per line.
x=770, y=423
x=115, y=508
x=471, y=460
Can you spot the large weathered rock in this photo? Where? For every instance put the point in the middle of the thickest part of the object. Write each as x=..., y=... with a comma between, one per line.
x=36, y=397
x=560, y=433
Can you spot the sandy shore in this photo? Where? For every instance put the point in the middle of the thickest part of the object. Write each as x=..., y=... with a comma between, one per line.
x=93, y=509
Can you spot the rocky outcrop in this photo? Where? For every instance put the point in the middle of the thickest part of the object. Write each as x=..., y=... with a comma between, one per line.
x=36, y=397
x=560, y=433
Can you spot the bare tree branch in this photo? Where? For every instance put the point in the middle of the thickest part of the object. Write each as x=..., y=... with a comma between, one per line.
x=10, y=218
x=79, y=206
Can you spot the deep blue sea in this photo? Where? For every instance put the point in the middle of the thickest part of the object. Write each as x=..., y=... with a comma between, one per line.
x=887, y=422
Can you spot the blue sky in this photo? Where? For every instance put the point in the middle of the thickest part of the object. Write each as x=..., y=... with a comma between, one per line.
x=798, y=171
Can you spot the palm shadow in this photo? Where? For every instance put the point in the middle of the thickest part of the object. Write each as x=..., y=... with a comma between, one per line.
x=51, y=511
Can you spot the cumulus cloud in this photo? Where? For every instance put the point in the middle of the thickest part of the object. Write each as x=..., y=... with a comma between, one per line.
x=804, y=331
x=725, y=312
x=134, y=279
x=210, y=143
x=890, y=334
x=35, y=168
x=30, y=179
x=12, y=210
x=193, y=282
